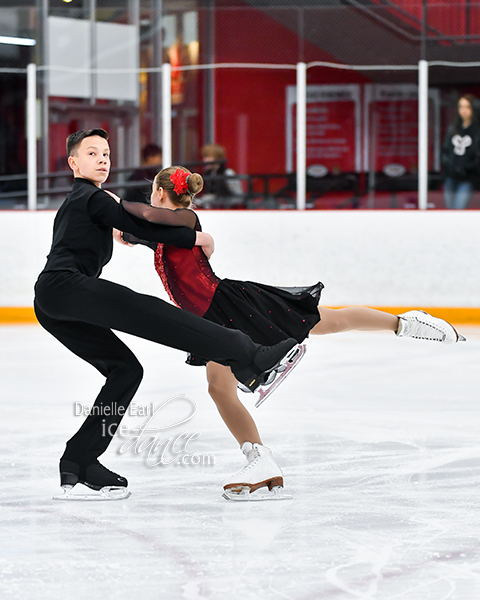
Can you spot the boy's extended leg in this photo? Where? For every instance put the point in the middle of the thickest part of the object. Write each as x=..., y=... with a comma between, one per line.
x=75, y=297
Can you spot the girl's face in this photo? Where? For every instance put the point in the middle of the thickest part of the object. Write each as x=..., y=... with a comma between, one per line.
x=465, y=109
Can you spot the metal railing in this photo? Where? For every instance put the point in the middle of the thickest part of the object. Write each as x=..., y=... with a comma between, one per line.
x=38, y=185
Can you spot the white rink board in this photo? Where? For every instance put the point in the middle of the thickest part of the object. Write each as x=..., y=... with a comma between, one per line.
x=376, y=258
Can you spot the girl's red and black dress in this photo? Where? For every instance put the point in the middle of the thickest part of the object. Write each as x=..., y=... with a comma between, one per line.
x=266, y=313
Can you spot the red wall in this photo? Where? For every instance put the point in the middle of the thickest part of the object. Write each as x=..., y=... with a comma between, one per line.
x=250, y=104
x=443, y=17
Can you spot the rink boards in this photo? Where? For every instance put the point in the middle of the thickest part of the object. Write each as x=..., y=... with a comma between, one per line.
x=385, y=259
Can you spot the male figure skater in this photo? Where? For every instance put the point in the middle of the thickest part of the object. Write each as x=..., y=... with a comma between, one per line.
x=80, y=310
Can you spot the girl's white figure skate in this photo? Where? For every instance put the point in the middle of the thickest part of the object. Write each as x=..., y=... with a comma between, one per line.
x=422, y=326
x=106, y=484
x=260, y=479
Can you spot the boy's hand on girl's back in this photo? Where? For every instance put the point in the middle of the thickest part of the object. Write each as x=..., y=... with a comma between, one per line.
x=117, y=236
x=205, y=240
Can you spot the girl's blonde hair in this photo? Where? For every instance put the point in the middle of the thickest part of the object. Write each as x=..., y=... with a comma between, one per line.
x=183, y=200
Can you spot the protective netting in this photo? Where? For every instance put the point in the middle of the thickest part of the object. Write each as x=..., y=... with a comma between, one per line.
x=233, y=82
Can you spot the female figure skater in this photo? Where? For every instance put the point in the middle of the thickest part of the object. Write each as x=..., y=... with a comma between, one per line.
x=461, y=155
x=267, y=314
x=80, y=310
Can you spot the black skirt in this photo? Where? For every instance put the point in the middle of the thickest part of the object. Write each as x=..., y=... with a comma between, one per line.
x=265, y=313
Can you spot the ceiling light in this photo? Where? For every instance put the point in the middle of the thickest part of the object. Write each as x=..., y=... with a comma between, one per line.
x=16, y=41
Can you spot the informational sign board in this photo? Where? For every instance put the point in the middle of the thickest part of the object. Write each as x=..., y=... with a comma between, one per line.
x=333, y=128
x=391, y=127
x=117, y=47
x=71, y=56
x=355, y=127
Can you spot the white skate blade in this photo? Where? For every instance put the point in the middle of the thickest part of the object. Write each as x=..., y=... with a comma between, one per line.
x=107, y=493
x=291, y=361
x=260, y=495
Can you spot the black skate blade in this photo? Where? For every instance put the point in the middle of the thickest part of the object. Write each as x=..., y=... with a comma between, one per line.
x=250, y=383
x=107, y=493
x=291, y=361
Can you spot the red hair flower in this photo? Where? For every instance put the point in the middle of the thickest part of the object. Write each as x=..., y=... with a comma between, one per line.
x=180, y=181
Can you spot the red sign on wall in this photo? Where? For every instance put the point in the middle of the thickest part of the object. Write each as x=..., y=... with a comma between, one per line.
x=333, y=127
x=391, y=127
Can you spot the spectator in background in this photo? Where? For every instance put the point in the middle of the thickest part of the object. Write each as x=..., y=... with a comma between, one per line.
x=221, y=188
x=461, y=154
x=151, y=163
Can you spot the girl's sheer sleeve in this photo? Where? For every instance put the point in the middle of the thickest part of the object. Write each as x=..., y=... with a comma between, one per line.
x=161, y=216
x=145, y=222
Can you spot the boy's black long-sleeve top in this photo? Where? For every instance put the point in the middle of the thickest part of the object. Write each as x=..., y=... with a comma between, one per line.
x=82, y=231
x=84, y=312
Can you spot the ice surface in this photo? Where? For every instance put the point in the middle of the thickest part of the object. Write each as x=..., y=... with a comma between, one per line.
x=378, y=437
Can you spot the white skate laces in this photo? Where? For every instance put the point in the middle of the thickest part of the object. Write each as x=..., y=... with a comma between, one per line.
x=260, y=479
x=422, y=326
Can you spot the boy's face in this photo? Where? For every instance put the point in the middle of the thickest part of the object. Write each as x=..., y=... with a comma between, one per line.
x=91, y=160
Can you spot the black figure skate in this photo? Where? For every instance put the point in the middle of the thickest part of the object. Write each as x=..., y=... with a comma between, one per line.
x=270, y=380
x=108, y=485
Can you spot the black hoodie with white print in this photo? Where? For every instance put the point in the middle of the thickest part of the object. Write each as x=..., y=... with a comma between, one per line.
x=461, y=152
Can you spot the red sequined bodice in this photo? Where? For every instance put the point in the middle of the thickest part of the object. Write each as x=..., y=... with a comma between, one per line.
x=187, y=276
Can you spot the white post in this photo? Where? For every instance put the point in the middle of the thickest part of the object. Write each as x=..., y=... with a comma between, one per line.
x=301, y=135
x=422, y=134
x=32, y=135
x=166, y=115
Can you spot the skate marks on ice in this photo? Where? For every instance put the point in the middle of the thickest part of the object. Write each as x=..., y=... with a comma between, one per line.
x=379, y=442
x=402, y=520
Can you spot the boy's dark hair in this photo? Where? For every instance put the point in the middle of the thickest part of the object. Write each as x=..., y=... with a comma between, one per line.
x=75, y=139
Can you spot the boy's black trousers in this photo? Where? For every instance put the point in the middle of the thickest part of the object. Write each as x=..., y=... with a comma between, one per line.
x=81, y=311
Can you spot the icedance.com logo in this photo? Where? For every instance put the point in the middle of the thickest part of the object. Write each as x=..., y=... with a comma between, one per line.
x=134, y=410
x=151, y=437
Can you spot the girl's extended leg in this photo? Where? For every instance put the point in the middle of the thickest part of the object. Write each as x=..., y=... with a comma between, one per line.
x=335, y=320
x=222, y=387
